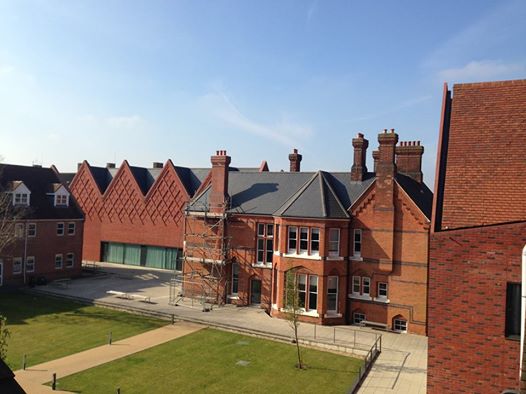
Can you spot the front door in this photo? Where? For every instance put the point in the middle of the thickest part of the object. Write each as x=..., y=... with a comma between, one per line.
x=1, y=272
x=255, y=291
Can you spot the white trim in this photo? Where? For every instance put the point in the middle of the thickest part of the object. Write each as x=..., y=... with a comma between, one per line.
x=33, y=258
x=262, y=265
x=523, y=306
x=74, y=228
x=274, y=306
x=232, y=297
x=302, y=256
x=31, y=224
x=303, y=312
x=360, y=297
x=63, y=229
x=19, y=261
x=61, y=261
x=329, y=315
x=382, y=300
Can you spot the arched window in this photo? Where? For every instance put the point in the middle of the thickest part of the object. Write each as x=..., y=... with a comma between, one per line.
x=399, y=323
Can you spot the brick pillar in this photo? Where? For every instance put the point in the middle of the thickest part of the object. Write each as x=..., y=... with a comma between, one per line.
x=295, y=160
x=359, y=169
x=376, y=156
x=384, y=209
x=409, y=159
x=219, y=192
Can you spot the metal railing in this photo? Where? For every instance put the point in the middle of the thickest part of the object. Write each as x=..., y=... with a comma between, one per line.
x=370, y=358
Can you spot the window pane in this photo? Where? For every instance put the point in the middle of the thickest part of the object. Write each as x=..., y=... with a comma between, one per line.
x=313, y=292
x=260, y=250
x=513, y=309
x=235, y=278
x=357, y=241
x=332, y=293
x=270, y=251
x=292, y=239
x=334, y=242
x=304, y=239
x=358, y=317
x=382, y=289
x=270, y=230
x=366, y=285
x=356, y=284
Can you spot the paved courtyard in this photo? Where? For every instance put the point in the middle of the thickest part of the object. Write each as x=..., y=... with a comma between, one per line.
x=400, y=368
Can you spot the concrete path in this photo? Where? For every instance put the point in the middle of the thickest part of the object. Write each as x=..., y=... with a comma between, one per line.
x=33, y=378
x=401, y=367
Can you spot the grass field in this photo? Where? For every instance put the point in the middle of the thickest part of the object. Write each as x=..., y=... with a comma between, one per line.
x=49, y=328
x=217, y=362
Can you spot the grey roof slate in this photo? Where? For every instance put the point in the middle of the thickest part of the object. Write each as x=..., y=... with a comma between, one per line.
x=294, y=194
x=40, y=181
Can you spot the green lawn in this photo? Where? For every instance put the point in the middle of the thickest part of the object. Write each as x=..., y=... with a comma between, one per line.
x=209, y=360
x=48, y=328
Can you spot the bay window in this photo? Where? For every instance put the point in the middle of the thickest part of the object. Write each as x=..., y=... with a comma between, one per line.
x=304, y=240
x=265, y=243
x=315, y=241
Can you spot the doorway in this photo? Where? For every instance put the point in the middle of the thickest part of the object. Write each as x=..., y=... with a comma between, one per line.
x=255, y=291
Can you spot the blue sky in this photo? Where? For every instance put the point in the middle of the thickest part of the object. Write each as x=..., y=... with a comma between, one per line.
x=151, y=80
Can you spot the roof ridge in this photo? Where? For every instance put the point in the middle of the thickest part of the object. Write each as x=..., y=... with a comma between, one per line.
x=322, y=192
x=287, y=204
x=334, y=194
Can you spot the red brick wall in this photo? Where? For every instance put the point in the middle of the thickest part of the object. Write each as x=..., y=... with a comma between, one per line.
x=468, y=272
x=44, y=247
x=124, y=214
x=407, y=279
x=486, y=170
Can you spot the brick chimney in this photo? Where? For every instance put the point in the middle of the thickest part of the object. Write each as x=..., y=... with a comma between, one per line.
x=359, y=169
x=157, y=164
x=110, y=165
x=409, y=159
x=376, y=156
x=219, y=193
x=384, y=198
x=295, y=160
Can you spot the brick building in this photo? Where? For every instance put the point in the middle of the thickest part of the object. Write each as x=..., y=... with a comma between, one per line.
x=478, y=235
x=134, y=215
x=48, y=227
x=357, y=240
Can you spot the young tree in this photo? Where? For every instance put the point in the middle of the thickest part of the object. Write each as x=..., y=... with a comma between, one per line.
x=293, y=308
x=4, y=336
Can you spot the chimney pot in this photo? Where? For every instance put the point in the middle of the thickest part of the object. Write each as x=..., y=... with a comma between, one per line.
x=110, y=165
x=157, y=164
x=358, y=169
x=295, y=160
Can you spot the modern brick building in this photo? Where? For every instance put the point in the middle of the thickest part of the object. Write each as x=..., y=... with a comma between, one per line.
x=48, y=228
x=357, y=240
x=134, y=215
x=478, y=236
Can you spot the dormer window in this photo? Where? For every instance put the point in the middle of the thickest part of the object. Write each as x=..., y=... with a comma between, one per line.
x=61, y=199
x=21, y=199
x=21, y=194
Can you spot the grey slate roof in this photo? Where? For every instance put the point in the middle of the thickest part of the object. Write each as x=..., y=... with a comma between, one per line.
x=40, y=181
x=303, y=194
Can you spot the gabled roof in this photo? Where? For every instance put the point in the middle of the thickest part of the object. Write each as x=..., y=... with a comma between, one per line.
x=314, y=199
x=421, y=195
x=39, y=181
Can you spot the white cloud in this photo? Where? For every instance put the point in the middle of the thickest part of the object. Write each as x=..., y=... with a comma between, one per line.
x=6, y=69
x=284, y=131
x=124, y=122
x=481, y=70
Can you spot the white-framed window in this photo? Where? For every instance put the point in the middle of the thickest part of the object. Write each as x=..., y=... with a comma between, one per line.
x=332, y=294
x=304, y=239
x=292, y=241
x=265, y=243
x=313, y=293
x=382, y=290
x=315, y=241
x=302, y=290
x=58, y=261
x=400, y=325
x=71, y=228
x=32, y=230
x=70, y=260
x=334, y=242
x=21, y=199
x=61, y=199
x=30, y=264
x=357, y=242
x=358, y=317
x=60, y=229
x=366, y=285
x=19, y=230
x=361, y=285
x=17, y=265
x=235, y=279
x=356, y=285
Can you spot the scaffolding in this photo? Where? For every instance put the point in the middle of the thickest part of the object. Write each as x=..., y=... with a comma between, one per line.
x=205, y=256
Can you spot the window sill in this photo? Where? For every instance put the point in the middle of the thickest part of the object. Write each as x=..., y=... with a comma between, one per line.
x=277, y=253
x=515, y=338
x=360, y=297
x=334, y=258
x=381, y=300
x=232, y=297
x=262, y=265
x=332, y=315
x=303, y=312
x=357, y=258
x=302, y=256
